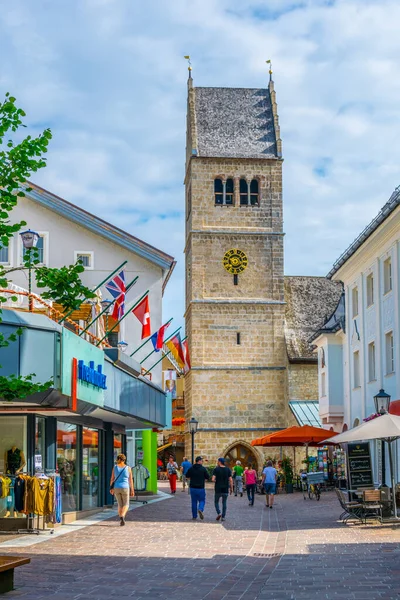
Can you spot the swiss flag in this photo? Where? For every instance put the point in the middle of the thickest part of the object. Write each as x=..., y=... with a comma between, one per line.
x=142, y=313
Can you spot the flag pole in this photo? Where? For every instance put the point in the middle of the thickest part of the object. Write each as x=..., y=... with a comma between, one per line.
x=128, y=287
x=96, y=288
x=155, y=364
x=166, y=340
x=122, y=318
x=148, y=339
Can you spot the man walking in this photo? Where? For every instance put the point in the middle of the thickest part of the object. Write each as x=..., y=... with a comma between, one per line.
x=222, y=477
x=269, y=477
x=185, y=466
x=198, y=476
x=238, y=477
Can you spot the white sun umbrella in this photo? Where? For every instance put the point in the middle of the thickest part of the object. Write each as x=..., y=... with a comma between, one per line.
x=385, y=427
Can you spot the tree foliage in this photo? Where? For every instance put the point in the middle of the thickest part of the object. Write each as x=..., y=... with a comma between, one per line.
x=19, y=159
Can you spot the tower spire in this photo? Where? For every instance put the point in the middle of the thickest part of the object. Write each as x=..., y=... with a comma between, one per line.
x=269, y=62
x=189, y=65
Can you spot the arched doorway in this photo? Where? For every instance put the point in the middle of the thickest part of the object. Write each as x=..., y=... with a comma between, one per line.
x=241, y=452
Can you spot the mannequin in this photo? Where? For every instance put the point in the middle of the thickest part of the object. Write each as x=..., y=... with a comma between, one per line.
x=14, y=462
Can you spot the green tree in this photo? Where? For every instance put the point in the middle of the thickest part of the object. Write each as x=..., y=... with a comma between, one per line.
x=18, y=161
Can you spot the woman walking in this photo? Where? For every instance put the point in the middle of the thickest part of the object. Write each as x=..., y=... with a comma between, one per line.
x=172, y=472
x=250, y=479
x=121, y=486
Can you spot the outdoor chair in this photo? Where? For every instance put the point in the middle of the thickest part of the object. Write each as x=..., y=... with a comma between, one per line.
x=372, y=504
x=351, y=510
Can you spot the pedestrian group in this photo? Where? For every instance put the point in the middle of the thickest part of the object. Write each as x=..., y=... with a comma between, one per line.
x=226, y=482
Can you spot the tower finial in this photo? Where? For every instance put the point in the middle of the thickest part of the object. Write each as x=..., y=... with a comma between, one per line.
x=189, y=66
x=269, y=62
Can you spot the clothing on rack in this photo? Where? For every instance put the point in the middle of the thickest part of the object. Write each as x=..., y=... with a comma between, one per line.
x=140, y=476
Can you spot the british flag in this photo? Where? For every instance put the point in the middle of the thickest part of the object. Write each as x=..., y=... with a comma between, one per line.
x=117, y=289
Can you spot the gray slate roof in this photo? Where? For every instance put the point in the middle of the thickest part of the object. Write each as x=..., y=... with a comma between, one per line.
x=234, y=123
x=309, y=303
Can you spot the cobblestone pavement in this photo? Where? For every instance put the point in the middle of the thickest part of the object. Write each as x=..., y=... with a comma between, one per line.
x=296, y=551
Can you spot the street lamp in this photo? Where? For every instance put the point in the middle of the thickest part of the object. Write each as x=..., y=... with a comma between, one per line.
x=382, y=402
x=29, y=239
x=193, y=423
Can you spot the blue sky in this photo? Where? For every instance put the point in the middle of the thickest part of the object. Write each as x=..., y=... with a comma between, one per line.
x=109, y=78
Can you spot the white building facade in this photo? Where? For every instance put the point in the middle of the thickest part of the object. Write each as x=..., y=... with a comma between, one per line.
x=68, y=233
x=358, y=347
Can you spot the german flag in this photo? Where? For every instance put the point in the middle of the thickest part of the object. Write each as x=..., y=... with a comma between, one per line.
x=176, y=348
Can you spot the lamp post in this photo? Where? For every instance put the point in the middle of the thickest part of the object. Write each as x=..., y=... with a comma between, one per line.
x=193, y=423
x=382, y=404
x=29, y=239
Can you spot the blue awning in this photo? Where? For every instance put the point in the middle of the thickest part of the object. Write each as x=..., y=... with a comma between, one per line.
x=306, y=412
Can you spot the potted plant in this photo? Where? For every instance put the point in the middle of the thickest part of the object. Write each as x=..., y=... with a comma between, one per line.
x=288, y=473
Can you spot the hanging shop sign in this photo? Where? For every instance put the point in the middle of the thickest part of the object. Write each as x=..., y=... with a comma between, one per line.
x=360, y=468
x=82, y=370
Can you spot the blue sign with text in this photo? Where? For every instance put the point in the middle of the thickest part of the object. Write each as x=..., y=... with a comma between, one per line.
x=91, y=375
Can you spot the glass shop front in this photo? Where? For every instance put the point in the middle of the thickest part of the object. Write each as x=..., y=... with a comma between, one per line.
x=35, y=446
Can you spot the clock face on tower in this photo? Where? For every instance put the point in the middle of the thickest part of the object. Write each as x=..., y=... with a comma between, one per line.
x=235, y=261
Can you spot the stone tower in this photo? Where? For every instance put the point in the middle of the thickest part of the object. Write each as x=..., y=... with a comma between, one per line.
x=236, y=388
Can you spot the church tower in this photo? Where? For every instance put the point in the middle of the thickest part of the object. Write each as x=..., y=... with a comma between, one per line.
x=234, y=270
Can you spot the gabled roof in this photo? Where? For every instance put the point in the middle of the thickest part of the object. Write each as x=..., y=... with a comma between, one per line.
x=236, y=123
x=309, y=302
x=386, y=210
x=99, y=227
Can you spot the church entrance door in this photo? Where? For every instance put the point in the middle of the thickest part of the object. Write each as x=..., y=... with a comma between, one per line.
x=242, y=453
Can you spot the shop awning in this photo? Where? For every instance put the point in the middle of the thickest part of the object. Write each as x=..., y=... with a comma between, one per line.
x=295, y=436
x=306, y=412
x=161, y=448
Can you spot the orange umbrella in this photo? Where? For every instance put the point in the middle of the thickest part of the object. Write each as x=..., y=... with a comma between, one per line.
x=295, y=436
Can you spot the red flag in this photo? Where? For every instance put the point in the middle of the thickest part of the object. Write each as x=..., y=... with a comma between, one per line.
x=187, y=356
x=142, y=313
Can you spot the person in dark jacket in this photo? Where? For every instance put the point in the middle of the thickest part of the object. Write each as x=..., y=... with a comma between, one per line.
x=198, y=475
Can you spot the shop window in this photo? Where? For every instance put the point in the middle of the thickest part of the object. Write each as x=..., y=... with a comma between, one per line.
x=40, y=445
x=13, y=459
x=117, y=445
x=356, y=369
x=371, y=362
x=90, y=468
x=67, y=465
x=218, y=191
x=85, y=258
x=387, y=275
x=389, y=353
x=370, y=289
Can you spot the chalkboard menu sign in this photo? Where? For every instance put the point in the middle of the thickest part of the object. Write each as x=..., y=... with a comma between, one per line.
x=360, y=469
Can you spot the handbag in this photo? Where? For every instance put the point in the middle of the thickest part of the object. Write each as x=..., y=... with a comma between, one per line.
x=116, y=479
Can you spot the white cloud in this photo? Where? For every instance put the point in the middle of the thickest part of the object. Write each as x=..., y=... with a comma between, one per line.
x=109, y=77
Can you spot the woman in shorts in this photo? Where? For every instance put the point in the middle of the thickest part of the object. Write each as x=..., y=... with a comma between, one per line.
x=121, y=484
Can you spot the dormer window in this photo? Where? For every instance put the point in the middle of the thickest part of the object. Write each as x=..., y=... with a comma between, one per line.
x=223, y=191
x=248, y=192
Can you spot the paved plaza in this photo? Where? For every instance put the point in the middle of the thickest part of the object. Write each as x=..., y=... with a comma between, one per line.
x=296, y=551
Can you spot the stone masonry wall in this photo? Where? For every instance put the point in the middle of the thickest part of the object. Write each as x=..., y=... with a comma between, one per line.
x=303, y=381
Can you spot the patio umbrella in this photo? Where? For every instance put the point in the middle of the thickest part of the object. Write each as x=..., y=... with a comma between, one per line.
x=295, y=436
x=386, y=428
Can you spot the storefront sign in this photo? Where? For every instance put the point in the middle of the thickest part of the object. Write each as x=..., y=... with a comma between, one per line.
x=360, y=468
x=82, y=370
x=91, y=375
